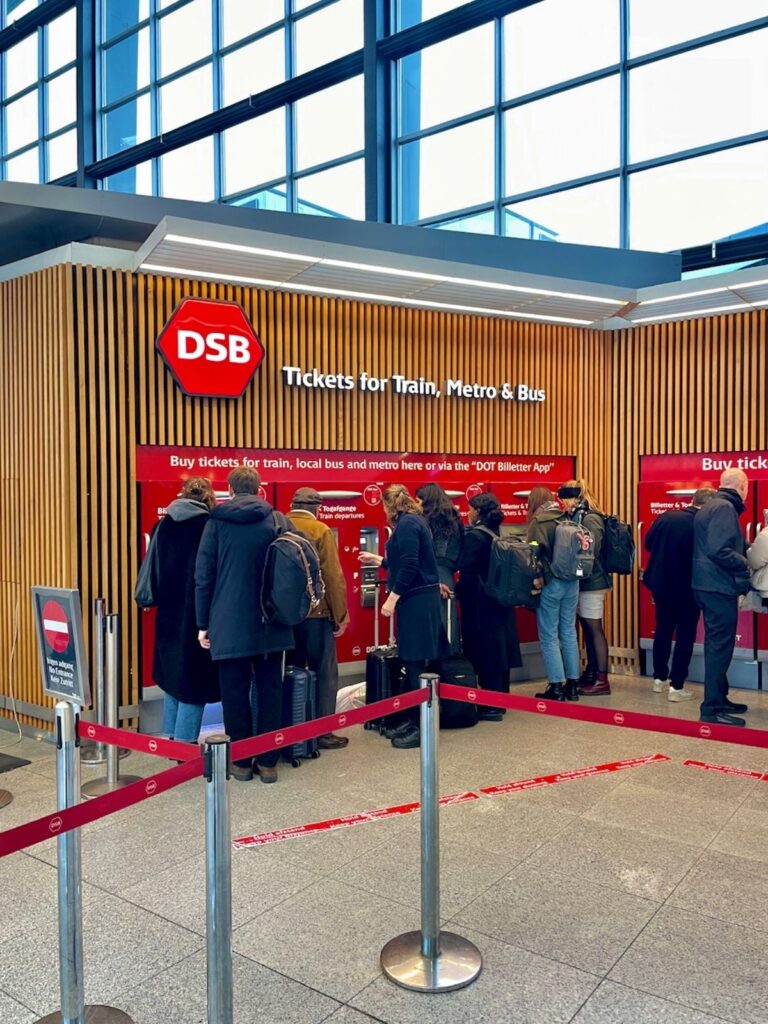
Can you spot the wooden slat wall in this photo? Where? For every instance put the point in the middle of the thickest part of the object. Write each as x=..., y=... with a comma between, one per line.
x=81, y=385
x=38, y=539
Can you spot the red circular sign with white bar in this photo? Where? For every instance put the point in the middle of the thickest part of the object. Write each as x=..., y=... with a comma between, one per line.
x=56, y=627
x=210, y=348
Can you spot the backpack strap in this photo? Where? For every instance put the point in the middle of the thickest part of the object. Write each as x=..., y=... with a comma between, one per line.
x=487, y=530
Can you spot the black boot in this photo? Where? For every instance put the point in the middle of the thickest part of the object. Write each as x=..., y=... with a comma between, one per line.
x=571, y=689
x=553, y=692
x=588, y=677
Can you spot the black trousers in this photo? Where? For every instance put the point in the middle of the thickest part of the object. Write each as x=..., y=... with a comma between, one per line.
x=316, y=649
x=721, y=613
x=678, y=615
x=235, y=678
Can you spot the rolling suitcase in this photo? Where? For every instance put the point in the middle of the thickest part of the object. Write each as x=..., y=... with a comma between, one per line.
x=457, y=670
x=299, y=706
x=383, y=671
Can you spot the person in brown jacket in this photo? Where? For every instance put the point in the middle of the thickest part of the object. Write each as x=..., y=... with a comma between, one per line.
x=315, y=637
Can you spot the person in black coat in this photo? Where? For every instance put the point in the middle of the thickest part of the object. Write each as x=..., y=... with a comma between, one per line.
x=489, y=630
x=444, y=522
x=720, y=577
x=413, y=596
x=181, y=668
x=228, y=578
x=668, y=576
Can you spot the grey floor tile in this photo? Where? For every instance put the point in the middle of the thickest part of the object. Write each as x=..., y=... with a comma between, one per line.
x=683, y=818
x=12, y=1012
x=700, y=962
x=346, y=1015
x=257, y=885
x=28, y=896
x=620, y=858
x=745, y=834
x=676, y=778
x=178, y=996
x=617, y=1004
x=510, y=828
x=328, y=937
x=726, y=887
x=562, y=917
x=120, y=942
x=515, y=987
x=394, y=871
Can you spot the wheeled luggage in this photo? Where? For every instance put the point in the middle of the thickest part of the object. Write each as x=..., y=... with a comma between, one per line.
x=458, y=671
x=383, y=671
x=299, y=706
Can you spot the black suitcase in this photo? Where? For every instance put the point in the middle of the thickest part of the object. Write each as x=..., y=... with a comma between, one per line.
x=458, y=671
x=299, y=706
x=383, y=672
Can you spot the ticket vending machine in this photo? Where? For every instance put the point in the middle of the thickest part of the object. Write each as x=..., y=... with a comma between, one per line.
x=669, y=482
x=761, y=523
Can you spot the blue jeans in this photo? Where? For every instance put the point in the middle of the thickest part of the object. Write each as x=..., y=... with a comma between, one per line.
x=556, y=619
x=182, y=721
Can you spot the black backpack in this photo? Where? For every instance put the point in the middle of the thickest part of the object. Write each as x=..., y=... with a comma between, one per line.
x=573, y=551
x=618, y=552
x=512, y=568
x=292, y=585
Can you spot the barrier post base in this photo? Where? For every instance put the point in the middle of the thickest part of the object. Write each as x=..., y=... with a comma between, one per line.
x=5, y=797
x=457, y=964
x=98, y=787
x=94, y=753
x=92, y=1015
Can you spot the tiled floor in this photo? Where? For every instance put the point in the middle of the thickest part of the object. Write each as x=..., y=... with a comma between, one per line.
x=622, y=898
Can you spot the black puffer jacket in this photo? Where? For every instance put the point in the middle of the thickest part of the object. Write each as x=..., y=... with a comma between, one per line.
x=181, y=667
x=719, y=564
x=670, y=544
x=228, y=577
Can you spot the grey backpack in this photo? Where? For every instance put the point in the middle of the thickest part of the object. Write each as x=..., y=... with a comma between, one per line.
x=573, y=553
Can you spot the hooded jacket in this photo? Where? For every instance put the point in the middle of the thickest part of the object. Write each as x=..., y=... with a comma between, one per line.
x=334, y=604
x=180, y=666
x=719, y=565
x=228, y=579
x=670, y=545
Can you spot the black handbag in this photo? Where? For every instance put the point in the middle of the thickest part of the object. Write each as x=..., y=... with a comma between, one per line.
x=146, y=593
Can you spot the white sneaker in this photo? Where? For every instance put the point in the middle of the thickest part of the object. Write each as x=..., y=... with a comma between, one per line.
x=678, y=695
x=659, y=685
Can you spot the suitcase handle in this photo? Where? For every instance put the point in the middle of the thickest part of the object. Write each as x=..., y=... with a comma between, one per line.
x=381, y=583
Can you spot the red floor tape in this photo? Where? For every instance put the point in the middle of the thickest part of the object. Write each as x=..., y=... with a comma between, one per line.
x=280, y=835
x=571, y=776
x=297, y=831
x=725, y=769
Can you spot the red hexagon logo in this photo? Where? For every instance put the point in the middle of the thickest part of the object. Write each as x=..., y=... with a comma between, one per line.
x=210, y=348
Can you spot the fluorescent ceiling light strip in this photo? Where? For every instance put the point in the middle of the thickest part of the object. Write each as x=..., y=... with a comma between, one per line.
x=233, y=247
x=393, y=271
x=683, y=295
x=748, y=284
x=690, y=312
x=369, y=296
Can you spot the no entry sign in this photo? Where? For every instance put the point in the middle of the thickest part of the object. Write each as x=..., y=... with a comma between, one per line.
x=59, y=624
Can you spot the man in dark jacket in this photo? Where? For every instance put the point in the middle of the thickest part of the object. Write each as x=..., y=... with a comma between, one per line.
x=315, y=637
x=720, y=576
x=228, y=578
x=668, y=576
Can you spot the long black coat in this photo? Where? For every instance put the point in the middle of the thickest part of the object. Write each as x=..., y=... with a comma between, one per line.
x=489, y=630
x=228, y=577
x=410, y=561
x=181, y=667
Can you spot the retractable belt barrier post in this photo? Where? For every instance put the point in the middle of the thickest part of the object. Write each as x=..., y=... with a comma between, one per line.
x=95, y=753
x=218, y=880
x=71, y=983
x=112, y=702
x=430, y=960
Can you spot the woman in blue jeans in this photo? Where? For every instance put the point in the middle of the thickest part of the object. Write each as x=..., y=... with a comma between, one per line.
x=556, y=614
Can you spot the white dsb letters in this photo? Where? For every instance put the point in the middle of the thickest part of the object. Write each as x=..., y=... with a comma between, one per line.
x=215, y=347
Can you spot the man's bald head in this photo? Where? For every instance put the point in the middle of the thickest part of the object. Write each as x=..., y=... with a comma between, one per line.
x=735, y=480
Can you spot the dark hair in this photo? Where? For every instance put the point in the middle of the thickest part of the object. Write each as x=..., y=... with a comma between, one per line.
x=441, y=514
x=244, y=480
x=488, y=508
x=539, y=496
x=199, y=488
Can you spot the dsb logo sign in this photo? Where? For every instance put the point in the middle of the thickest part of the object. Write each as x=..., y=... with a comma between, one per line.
x=210, y=348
